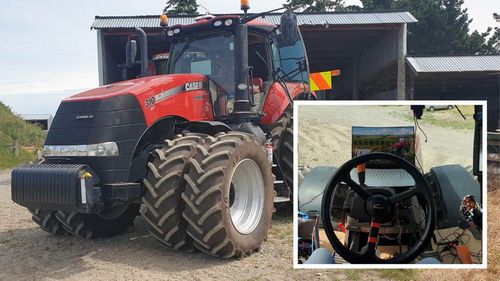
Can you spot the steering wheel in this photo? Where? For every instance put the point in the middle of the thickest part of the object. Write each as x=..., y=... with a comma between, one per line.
x=380, y=208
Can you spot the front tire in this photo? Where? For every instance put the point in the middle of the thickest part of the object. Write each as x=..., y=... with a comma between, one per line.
x=162, y=204
x=282, y=139
x=286, y=157
x=229, y=196
x=47, y=221
x=105, y=224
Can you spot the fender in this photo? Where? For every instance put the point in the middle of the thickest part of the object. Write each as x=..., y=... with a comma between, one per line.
x=277, y=100
x=206, y=127
x=150, y=139
x=166, y=128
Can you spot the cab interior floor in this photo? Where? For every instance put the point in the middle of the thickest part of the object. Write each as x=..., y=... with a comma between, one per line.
x=387, y=251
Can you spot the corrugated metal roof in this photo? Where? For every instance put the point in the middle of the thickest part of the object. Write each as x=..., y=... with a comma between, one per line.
x=455, y=64
x=152, y=21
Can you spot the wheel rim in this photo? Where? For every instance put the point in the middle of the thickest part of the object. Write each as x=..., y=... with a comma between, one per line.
x=246, y=196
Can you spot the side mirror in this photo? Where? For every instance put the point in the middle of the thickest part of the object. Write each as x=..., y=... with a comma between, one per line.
x=288, y=29
x=130, y=53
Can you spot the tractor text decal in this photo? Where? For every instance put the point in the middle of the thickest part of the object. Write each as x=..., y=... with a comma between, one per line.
x=162, y=95
x=193, y=86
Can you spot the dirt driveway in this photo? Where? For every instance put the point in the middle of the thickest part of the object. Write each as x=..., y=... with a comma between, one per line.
x=325, y=134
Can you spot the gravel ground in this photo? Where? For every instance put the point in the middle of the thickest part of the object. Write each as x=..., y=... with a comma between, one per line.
x=29, y=253
x=325, y=134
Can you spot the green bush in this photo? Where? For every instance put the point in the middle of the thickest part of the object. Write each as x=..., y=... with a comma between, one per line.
x=12, y=128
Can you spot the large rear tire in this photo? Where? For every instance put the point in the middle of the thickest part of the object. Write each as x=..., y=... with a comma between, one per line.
x=282, y=139
x=277, y=129
x=286, y=157
x=162, y=204
x=106, y=224
x=229, y=196
x=47, y=221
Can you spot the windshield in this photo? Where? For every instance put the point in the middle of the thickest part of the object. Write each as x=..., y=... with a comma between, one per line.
x=212, y=56
x=399, y=141
x=290, y=62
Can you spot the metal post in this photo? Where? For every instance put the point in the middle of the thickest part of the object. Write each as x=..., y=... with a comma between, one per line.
x=16, y=147
x=401, y=87
x=100, y=59
x=144, y=51
x=355, y=78
x=411, y=90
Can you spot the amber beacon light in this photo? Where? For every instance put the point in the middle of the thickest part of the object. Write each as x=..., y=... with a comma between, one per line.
x=245, y=5
x=163, y=20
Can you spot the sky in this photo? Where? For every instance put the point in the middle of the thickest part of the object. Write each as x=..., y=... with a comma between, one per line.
x=48, y=51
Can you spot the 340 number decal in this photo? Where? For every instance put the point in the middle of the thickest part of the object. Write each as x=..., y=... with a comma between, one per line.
x=149, y=101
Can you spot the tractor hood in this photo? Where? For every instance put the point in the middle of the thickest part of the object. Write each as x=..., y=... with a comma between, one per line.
x=121, y=113
x=140, y=86
x=181, y=95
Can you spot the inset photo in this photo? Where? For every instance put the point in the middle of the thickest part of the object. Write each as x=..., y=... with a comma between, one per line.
x=390, y=185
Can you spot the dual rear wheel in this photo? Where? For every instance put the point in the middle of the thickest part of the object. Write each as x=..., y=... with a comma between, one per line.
x=222, y=193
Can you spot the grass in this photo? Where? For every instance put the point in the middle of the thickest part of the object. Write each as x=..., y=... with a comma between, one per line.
x=398, y=274
x=353, y=274
x=8, y=159
x=448, y=118
x=13, y=128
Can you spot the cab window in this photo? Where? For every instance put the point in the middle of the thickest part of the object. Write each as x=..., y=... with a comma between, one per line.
x=290, y=62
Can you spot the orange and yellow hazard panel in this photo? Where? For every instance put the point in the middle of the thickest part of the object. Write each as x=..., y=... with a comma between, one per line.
x=322, y=80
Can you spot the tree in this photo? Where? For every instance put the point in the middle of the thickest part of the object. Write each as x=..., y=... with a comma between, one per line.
x=442, y=28
x=181, y=7
x=379, y=5
x=315, y=5
x=494, y=41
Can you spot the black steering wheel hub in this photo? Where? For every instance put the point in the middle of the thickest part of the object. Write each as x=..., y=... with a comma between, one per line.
x=379, y=208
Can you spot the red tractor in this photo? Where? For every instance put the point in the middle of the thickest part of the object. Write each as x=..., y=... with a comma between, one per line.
x=191, y=151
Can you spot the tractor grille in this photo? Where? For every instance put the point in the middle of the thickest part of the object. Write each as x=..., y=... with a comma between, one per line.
x=119, y=119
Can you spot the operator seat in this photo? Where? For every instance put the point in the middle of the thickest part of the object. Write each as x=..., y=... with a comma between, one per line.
x=257, y=92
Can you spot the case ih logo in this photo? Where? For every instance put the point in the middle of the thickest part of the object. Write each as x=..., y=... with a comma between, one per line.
x=190, y=86
x=84, y=116
x=193, y=86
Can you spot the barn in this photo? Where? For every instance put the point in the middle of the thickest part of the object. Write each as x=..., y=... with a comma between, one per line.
x=368, y=48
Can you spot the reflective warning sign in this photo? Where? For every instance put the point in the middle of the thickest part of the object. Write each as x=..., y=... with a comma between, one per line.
x=322, y=80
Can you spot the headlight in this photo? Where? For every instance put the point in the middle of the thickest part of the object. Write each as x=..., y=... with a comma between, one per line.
x=170, y=32
x=230, y=106
x=228, y=22
x=218, y=23
x=100, y=149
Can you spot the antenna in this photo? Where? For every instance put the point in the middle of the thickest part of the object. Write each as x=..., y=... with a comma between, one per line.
x=207, y=12
x=251, y=18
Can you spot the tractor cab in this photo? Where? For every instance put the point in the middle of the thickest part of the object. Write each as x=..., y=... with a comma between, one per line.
x=241, y=56
x=254, y=69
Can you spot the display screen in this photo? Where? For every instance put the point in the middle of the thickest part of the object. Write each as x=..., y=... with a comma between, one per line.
x=399, y=141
